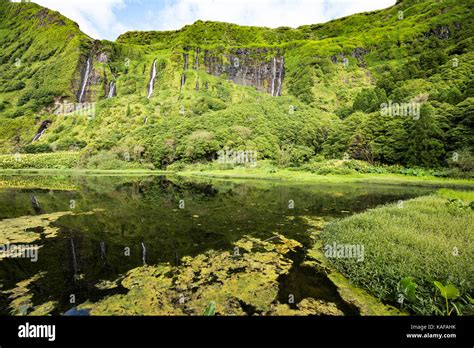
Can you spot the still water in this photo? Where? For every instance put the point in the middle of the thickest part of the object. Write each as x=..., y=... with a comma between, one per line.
x=90, y=229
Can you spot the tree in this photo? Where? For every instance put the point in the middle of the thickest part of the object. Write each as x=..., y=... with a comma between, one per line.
x=425, y=139
x=369, y=100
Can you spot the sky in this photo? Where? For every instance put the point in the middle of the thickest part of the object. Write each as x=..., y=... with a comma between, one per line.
x=107, y=19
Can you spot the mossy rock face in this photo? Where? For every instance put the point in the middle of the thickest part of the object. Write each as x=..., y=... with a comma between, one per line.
x=365, y=303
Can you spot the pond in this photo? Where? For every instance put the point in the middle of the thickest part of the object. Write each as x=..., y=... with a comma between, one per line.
x=88, y=231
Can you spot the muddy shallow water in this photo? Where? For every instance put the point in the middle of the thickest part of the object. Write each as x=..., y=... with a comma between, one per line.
x=89, y=231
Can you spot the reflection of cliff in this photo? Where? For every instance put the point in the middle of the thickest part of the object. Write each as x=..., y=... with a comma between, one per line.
x=249, y=67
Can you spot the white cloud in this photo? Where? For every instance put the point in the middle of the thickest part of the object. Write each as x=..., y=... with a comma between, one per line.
x=270, y=13
x=95, y=17
x=98, y=19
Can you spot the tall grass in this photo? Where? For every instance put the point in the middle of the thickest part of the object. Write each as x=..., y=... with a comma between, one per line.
x=426, y=238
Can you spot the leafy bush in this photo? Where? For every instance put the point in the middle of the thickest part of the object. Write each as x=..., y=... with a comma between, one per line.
x=57, y=160
x=70, y=143
x=37, y=148
x=369, y=100
x=105, y=160
x=12, y=86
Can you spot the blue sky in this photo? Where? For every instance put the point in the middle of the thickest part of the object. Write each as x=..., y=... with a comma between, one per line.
x=106, y=19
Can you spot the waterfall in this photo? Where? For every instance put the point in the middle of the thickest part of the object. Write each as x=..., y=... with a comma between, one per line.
x=84, y=80
x=258, y=77
x=175, y=252
x=111, y=90
x=280, y=76
x=41, y=130
x=39, y=135
x=273, y=76
x=144, y=254
x=152, y=80
x=36, y=205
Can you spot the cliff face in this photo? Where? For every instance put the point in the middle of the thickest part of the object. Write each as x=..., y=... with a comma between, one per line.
x=249, y=67
x=261, y=68
x=248, y=56
x=45, y=60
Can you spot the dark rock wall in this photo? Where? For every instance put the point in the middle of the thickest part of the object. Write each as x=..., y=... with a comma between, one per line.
x=258, y=68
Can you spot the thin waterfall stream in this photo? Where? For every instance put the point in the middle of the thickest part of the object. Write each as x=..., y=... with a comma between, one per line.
x=85, y=79
x=152, y=80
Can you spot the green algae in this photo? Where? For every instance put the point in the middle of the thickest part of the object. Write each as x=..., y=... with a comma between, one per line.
x=107, y=285
x=36, y=182
x=308, y=306
x=243, y=281
x=21, y=299
x=238, y=283
x=24, y=229
x=21, y=229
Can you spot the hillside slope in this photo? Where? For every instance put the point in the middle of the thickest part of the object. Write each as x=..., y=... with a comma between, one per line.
x=293, y=95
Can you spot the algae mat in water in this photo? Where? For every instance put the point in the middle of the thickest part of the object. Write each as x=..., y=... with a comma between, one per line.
x=238, y=282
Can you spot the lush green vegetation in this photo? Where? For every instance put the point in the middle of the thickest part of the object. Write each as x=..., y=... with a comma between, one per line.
x=62, y=160
x=411, y=252
x=327, y=110
x=383, y=98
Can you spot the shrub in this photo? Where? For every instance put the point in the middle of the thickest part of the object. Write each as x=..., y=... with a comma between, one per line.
x=176, y=167
x=70, y=144
x=106, y=160
x=12, y=86
x=462, y=160
x=57, y=160
x=37, y=148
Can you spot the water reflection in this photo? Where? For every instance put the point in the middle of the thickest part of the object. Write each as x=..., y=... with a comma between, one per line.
x=110, y=225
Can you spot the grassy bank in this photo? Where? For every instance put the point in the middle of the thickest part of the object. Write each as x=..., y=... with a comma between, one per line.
x=328, y=171
x=306, y=177
x=68, y=160
x=407, y=247
x=95, y=172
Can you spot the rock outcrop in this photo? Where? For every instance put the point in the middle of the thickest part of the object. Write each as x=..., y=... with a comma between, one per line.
x=260, y=68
